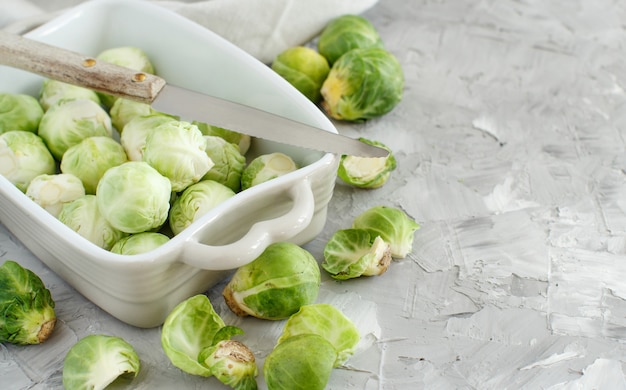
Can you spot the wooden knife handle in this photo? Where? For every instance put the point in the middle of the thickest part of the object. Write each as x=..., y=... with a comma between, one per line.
x=78, y=69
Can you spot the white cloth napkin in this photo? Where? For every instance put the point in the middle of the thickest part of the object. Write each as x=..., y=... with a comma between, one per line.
x=263, y=28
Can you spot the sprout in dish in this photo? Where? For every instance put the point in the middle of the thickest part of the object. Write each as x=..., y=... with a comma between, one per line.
x=304, y=68
x=363, y=84
x=26, y=306
x=134, y=197
x=195, y=201
x=19, y=112
x=83, y=216
x=89, y=159
x=54, y=91
x=276, y=284
x=366, y=172
x=345, y=33
x=24, y=156
x=239, y=139
x=70, y=121
x=351, y=253
x=177, y=149
x=393, y=225
x=266, y=167
x=97, y=360
x=133, y=137
x=139, y=243
x=327, y=321
x=124, y=110
x=228, y=162
x=51, y=192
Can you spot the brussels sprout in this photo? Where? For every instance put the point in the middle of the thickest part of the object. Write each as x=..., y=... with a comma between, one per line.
x=26, y=307
x=351, y=253
x=229, y=162
x=366, y=172
x=24, y=156
x=97, y=360
x=51, y=192
x=345, y=33
x=266, y=167
x=239, y=139
x=54, y=91
x=393, y=225
x=276, y=284
x=327, y=321
x=134, y=197
x=124, y=110
x=139, y=243
x=19, y=112
x=90, y=158
x=301, y=362
x=70, y=121
x=133, y=137
x=195, y=201
x=83, y=216
x=177, y=149
x=193, y=338
x=128, y=57
x=363, y=84
x=304, y=68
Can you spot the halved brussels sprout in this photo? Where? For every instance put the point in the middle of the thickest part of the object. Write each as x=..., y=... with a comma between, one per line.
x=97, y=360
x=345, y=33
x=70, y=121
x=19, y=112
x=51, y=192
x=367, y=172
x=276, y=284
x=133, y=137
x=304, y=68
x=393, y=225
x=228, y=162
x=134, y=197
x=351, y=253
x=24, y=156
x=54, y=91
x=266, y=167
x=91, y=158
x=139, y=243
x=363, y=84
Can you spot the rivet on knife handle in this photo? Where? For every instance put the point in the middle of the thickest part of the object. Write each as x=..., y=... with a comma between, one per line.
x=74, y=68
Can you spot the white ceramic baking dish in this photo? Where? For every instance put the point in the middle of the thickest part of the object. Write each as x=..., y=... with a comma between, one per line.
x=142, y=289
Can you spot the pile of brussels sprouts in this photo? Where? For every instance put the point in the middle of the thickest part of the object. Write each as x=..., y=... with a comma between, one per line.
x=122, y=175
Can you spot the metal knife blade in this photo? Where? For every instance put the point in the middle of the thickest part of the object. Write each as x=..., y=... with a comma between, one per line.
x=74, y=68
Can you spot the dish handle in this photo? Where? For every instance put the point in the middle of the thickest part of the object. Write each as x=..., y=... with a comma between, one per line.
x=260, y=235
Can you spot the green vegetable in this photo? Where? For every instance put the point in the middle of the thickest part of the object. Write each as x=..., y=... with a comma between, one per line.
x=351, y=253
x=177, y=149
x=70, y=121
x=19, y=112
x=228, y=162
x=330, y=323
x=393, y=225
x=363, y=84
x=53, y=91
x=276, y=284
x=239, y=139
x=266, y=167
x=139, y=243
x=195, y=201
x=53, y=191
x=26, y=307
x=366, y=172
x=124, y=110
x=96, y=361
x=90, y=158
x=195, y=339
x=345, y=33
x=304, y=68
x=24, y=156
x=134, y=197
x=83, y=216
x=133, y=137
x=301, y=362
x=128, y=57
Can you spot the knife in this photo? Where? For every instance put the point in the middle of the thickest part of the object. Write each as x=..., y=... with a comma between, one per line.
x=74, y=68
